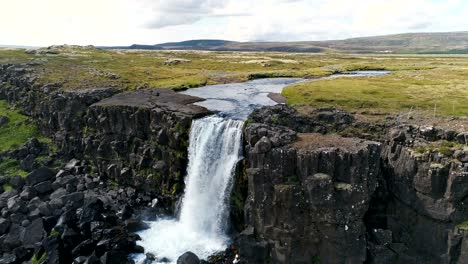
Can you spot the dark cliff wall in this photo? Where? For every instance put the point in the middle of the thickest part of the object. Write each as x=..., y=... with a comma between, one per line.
x=137, y=138
x=428, y=193
x=59, y=114
x=308, y=194
x=141, y=138
x=322, y=198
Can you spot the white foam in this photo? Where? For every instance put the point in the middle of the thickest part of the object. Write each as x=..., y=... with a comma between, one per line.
x=214, y=150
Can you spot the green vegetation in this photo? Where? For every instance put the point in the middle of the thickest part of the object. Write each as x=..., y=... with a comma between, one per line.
x=7, y=187
x=463, y=226
x=418, y=83
x=13, y=134
x=39, y=260
x=439, y=92
x=17, y=131
x=445, y=147
x=54, y=233
x=11, y=167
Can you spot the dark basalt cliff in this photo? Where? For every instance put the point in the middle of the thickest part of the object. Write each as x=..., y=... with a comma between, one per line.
x=322, y=198
x=427, y=194
x=137, y=138
x=141, y=138
x=308, y=193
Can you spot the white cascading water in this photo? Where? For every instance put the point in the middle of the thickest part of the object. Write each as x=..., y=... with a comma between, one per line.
x=214, y=150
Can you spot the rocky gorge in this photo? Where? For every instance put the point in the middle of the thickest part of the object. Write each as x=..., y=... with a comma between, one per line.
x=320, y=187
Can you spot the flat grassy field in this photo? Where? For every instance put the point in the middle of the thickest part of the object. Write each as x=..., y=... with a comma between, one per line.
x=439, y=92
x=417, y=83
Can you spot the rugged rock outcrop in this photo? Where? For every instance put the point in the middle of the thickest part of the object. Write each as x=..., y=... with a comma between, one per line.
x=427, y=181
x=69, y=216
x=141, y=138
x=307, y=193
x=136, y=138
x=59, y=114
x=321, y=197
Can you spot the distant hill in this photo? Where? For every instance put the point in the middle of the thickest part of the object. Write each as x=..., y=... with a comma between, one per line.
x=445, y=43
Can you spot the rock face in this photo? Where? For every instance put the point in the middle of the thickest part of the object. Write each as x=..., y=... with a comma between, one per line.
x=322, y=120
x=137, y=138
x=59, y=114
x=141, y=138
x=427, y=193
x=308, y=193
x=321, y=197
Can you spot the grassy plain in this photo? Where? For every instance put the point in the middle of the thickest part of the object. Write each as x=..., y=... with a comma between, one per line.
x=419, y=83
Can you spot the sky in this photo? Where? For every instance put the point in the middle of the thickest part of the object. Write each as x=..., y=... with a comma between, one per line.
x=125, y=22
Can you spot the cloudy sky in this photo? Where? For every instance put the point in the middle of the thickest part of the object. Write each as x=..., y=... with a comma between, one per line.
x=124, y=22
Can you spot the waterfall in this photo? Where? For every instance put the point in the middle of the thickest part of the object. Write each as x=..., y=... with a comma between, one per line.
x=214, y=150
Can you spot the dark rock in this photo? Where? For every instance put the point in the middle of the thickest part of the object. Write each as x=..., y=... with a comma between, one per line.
x=75, y=199
x=134, y=225
x=33, y=233
x=307, y=193
x=321, y=120
x=17, y=182
x=382, y=237
x=8, y=259
x=17, y=218
x=252, y=250
x=92, y=211
x=93, y=260
x=426, y=193
x=126, y=212
x=188, y=258
x=16, y=205
x=28, y=193
x=27, y=164
x=53, y=249
x=70, y=238
x=84, y=248
x=43, y=187
x=102, y=246
x=379, y=254
x=80, y=260
x=12, y=239
x=113, y=256
x=462, y=138
x=25, y=223
x=44, y=209
x=149, y=258
x=22, y=253
x=58, y=193
x=67, y=218
x=263, y=145
x=4, y=225
x=40, y=175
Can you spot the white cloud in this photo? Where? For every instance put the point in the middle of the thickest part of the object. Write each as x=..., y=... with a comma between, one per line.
x=180, y=12
x=123, y=22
